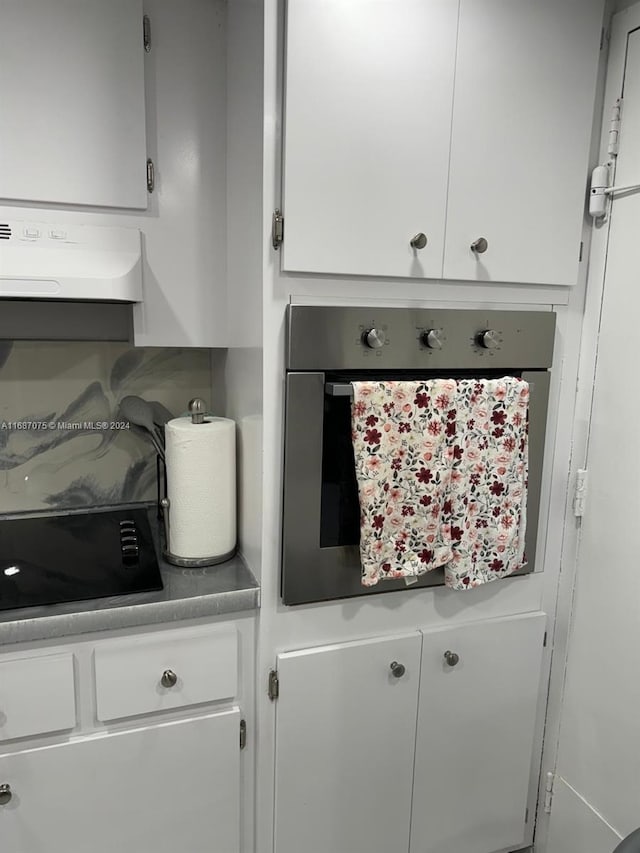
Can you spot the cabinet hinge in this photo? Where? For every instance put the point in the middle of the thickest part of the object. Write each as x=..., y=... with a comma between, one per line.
x=151, y=175
x=580, y=494
x=274, y=685
x=526, y=815
x=277, y=229
x=146, y=33
x=243, y=734
x=548, y=793
x=580, y=252
x=613, y=143
x=544, y=640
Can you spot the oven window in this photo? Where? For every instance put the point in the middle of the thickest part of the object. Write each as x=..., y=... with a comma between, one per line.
x=339, y=508
x=339, y=504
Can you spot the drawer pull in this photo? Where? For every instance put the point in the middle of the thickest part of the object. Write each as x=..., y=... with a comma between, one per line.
x=480, y=245
x=169, y=678
x=397, y=669
x=419, y=241
x=5, y=794
x=451, y=658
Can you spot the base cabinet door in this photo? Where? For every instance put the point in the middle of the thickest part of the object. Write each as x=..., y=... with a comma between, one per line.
x=345, y=736
x=166, y=788
x=479, y=688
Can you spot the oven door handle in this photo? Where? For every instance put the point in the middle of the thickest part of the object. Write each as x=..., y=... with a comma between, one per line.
x=345, y=389
x=338, y=389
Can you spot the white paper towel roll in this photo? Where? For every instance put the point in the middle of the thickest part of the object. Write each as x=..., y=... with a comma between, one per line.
x=201, y=487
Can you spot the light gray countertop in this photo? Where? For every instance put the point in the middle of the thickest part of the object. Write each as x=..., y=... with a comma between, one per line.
x=227, y=588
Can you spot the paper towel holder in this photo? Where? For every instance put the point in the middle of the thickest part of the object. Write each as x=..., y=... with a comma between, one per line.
x=197, y=408
x=186, y=562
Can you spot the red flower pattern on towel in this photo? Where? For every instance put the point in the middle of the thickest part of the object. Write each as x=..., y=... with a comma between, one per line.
x=442, y=476
x=413, y=458
x=489, y=497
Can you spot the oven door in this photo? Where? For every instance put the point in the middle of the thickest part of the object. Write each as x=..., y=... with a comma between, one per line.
x=321, y=527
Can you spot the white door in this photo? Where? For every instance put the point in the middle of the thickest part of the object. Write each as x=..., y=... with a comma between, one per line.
x=474, y=744
x=522, y=117
x=598, y=765
x=72, y=114
x=163, y=789
x=368, y=96
x=345, y=736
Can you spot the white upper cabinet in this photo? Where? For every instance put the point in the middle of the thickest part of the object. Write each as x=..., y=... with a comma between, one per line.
x=457, y=119
x=368, y=99
x=523, y=109
x=72, y=116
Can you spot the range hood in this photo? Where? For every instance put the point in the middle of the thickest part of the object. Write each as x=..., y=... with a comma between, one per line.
x=41, y=260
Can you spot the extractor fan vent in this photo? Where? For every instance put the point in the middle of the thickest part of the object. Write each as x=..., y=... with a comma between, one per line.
x=5, y=231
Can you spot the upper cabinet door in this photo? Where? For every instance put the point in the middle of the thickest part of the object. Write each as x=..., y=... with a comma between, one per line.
x=479, y=689
x=523, y=110
x=368, y=98
x=72, y=120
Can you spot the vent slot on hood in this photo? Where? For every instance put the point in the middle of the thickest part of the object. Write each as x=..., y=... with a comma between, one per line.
x=5, y=231
x=57, y=320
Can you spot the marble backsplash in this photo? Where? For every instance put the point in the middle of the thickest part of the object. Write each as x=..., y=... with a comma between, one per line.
x=76, y=452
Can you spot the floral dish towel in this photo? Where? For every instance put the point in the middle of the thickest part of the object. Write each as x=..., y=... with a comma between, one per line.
x=488, y=491
x=404, y=448
x=441, y=467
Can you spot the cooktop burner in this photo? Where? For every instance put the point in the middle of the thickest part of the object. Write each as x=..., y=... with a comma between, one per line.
x=53, y=559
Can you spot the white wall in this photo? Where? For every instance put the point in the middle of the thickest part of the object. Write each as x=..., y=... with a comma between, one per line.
x=597, y=763
x=242, y=371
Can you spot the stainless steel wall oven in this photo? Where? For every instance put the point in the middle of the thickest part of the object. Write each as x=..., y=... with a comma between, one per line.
x=327, y=349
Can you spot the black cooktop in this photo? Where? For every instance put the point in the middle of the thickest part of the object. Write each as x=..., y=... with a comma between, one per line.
x=58, y=558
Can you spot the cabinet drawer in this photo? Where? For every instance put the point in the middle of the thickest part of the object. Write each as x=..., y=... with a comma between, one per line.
x=37, y=695
x=180, y=668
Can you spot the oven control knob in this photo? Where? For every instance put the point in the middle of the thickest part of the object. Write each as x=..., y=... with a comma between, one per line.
x=432, y=339
x=489, y=339
x=374, y=338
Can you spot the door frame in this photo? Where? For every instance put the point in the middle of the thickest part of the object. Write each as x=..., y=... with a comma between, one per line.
x=610, y=84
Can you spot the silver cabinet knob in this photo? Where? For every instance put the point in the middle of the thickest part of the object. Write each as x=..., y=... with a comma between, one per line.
x=5, y=794
x=169, y=678
x=419, y=241
x=480, y=245
x=451, y=658
x=397, y=669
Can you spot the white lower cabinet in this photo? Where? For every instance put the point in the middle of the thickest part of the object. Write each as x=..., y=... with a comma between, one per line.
x=161, y=789
x=345, y=741
x=434, y=757
x=476, y=722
